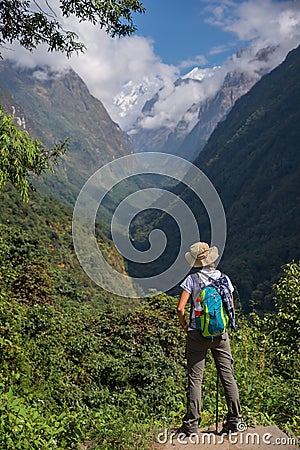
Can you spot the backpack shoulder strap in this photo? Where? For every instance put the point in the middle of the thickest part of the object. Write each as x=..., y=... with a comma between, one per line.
x=197, y=280
x=227, y=300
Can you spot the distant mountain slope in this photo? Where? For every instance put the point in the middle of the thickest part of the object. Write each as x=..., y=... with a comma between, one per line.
x=253, y=160
x=209, y=114
x=180, y=118
x=39, y=234
x=54, y=107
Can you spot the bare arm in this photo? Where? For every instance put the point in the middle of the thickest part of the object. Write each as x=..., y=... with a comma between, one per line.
x=180, y=309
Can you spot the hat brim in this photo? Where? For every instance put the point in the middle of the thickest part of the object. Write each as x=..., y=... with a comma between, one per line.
x=213, y=255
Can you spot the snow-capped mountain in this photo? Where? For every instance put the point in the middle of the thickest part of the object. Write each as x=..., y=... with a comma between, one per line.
x=171, y=104
x=180, y=116
x=200, y=74
x=135, y=99
x=130, y=101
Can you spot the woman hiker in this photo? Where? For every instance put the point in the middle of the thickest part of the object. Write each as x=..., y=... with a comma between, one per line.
x=202, y=256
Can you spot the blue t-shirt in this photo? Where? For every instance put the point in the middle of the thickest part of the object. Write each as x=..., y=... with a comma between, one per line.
x=193, y=288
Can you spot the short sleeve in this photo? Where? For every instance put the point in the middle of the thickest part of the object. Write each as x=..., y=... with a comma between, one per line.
x=187, y=284
x=231, y=288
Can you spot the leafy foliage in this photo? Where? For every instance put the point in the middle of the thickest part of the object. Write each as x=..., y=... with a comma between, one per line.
x=38, y=261
x=30, y=27
x=21, y=156
x=284, y=326
x=75, y=373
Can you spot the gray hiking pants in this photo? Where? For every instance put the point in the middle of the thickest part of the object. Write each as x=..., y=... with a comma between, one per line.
x=197, y=347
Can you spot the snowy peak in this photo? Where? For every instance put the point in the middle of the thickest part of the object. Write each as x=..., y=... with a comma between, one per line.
x=138, y=98
x=133, y=96
x=200, y=74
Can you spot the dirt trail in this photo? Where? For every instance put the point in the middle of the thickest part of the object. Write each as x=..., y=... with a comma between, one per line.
x=254, y=438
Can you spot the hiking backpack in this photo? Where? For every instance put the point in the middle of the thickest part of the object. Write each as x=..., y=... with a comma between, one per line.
x=211, y=307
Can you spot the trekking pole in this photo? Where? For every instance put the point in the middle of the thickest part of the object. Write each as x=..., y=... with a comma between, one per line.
x=217, y=402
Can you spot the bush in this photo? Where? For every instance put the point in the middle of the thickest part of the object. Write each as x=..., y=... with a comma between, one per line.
x=108, y=379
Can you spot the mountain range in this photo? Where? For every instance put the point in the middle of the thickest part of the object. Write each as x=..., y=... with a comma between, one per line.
x=251, y=157
x=253, y=160
x=82, y=368
x=197, y=102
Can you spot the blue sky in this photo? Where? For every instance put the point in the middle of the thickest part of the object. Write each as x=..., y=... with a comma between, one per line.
x=180, y=31
x=198, y=30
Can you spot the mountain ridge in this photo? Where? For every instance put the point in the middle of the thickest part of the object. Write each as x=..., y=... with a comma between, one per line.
x=211, y=93
x=55, y=107
x=252, y=160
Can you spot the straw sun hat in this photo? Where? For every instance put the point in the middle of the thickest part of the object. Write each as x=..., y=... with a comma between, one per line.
x=201, y=254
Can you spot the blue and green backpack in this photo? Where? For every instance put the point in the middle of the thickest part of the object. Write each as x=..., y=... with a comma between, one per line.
x=210, y=314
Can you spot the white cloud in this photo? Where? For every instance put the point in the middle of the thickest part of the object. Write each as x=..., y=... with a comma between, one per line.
x=222, y=48
x=175, y=100
x=266, y=21
x=261, y=24
x=263, y=21
x=111, y=66
x=198, y=60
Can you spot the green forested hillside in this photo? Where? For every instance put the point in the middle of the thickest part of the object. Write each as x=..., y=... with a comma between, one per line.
x=56, y=106
x=75, y=377
x=38, y=236
x=253, y=160
x=82, y=369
